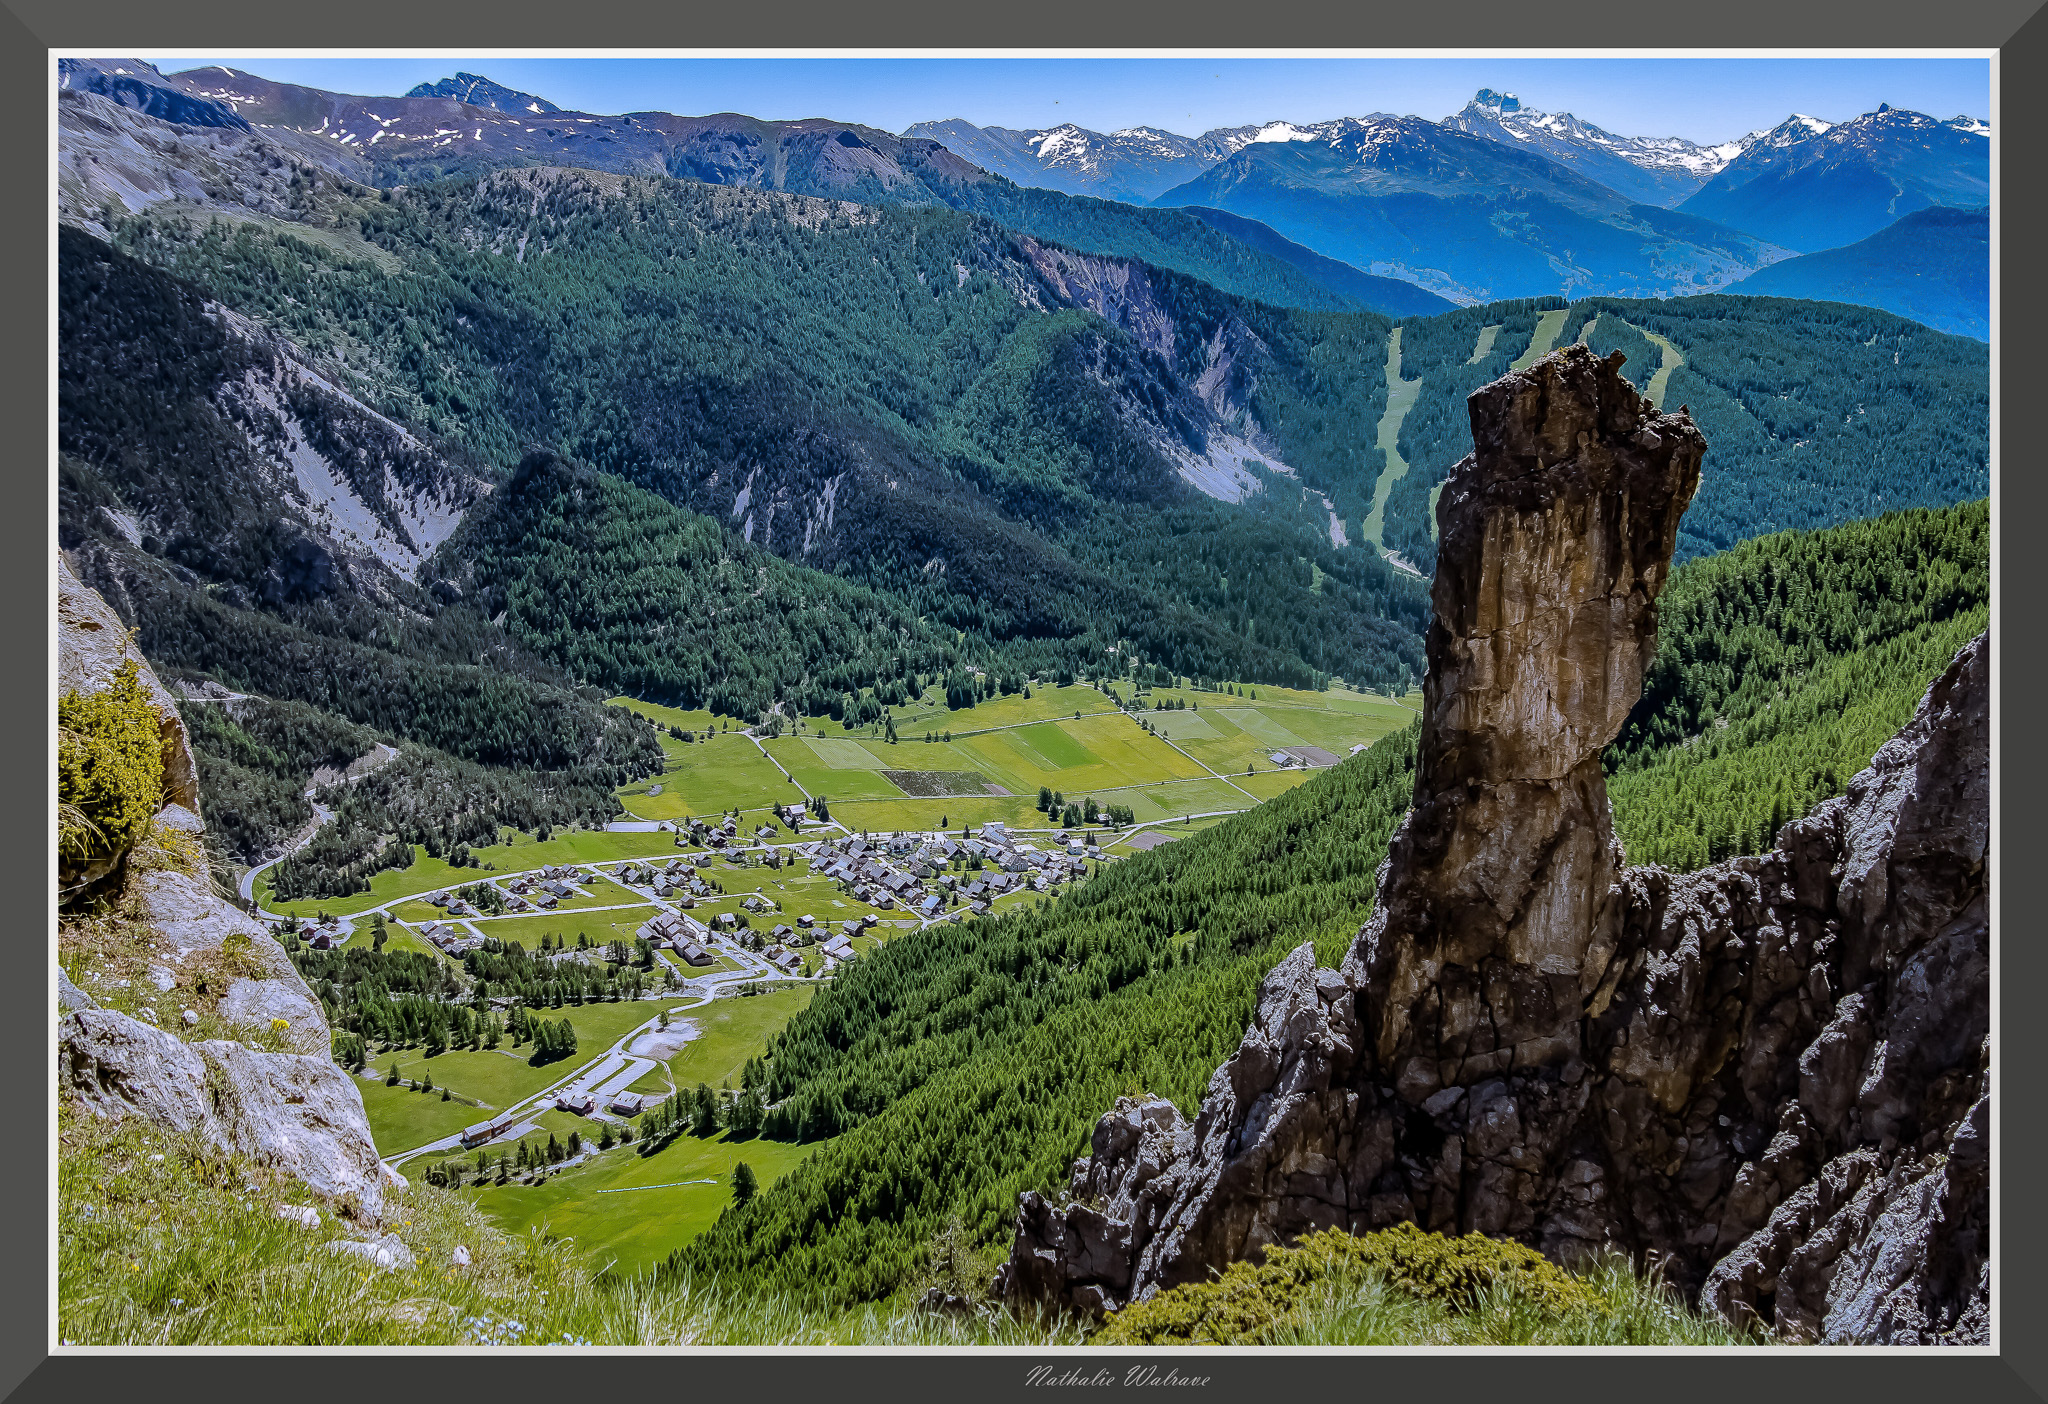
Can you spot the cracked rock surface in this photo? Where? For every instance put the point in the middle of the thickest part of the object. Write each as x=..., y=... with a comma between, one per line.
x=1771, y=1074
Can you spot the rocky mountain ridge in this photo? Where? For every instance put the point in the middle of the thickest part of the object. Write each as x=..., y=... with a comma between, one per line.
x=1770, y=1076
x=1653, y=170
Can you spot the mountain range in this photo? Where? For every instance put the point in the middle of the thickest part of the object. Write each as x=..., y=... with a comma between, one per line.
x=1464, y=216
x=1513, y=225
x=1811, y=185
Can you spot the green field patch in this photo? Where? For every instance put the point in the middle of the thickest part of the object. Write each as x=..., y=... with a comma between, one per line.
x=709, y=777
x=401, y=1118
x=1184, y=726
x=838, y=785
x=1053, y=744
x=1267, y=784
x=418, y=913
x=931, y=713
x=1153, y=802
x=890, y=816
x=1400, y=399
x=731, y=1030
x=601, y=927
x=1262, y=726
x=667, y=716
x=1126, y=754
x=836, y=753
x=1548, y=328
x=937, y=784
x=634, y=1227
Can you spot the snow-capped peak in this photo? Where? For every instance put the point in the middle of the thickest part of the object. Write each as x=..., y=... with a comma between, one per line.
x=1285, y=131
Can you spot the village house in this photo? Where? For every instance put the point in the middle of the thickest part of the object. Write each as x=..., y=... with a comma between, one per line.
x=581, y=1103
x=486, y=1130
x=839, y=948
x=628, y=1103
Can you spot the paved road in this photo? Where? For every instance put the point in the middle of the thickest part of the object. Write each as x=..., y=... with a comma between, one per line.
x=321, y=814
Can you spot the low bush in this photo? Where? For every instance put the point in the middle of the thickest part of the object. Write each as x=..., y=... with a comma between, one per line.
x=110, y=768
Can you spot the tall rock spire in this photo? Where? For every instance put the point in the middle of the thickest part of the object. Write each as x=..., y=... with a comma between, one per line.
x=1501, y=900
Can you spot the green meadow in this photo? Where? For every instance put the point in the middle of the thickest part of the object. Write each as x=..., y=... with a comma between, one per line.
x=492, y=1077
x=731, y=1030
x=629, y=1210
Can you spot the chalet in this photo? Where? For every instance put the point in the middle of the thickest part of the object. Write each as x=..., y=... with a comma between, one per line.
x=693, y=954
x=924, y=871
x=932, y=905
x=789, y=962
x=979, y=908
x=581, y=1103
x=995, y=832
x=556, y=889
x=322, y=940
x=726, y=921
x=839, y=948
x=486, y=1130
x=518, y=904
x=901, y=843
x=548, y=903
x=884, y=900
x=1282, y=759
x=806, y=920
x=628, y=1103
x=665, y=926
x=1014, y=863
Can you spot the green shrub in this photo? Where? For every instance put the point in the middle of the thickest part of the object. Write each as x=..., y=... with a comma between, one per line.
x=110, y=767
x=1249, y=1302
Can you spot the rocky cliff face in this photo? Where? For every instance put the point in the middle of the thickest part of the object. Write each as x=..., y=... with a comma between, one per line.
x=264, y=1084
x=1772, y=1075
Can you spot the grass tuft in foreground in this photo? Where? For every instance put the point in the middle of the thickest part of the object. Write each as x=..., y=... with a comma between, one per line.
x=1402, y=1286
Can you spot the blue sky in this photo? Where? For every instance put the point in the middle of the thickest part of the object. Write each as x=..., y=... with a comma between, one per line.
x=1704, y=100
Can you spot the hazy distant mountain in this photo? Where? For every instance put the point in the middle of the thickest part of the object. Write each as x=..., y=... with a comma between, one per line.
x=482, y=92
x=1652, y=170
x=1134, y=164
x=1933, y=266
x=1468, y=217
x=1810, y=185
x=1390, y=296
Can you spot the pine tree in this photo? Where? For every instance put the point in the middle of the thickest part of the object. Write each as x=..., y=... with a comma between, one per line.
x=743, y=1184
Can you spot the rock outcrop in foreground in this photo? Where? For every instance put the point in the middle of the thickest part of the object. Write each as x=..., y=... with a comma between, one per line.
x=291, y=1109
x=1771, y=1075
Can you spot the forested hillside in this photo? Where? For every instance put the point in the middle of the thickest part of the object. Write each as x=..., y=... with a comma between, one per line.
x=958, y=1066
x=1815, y=413
x=1781, y=667
x=624, y=589
x=899, y=396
